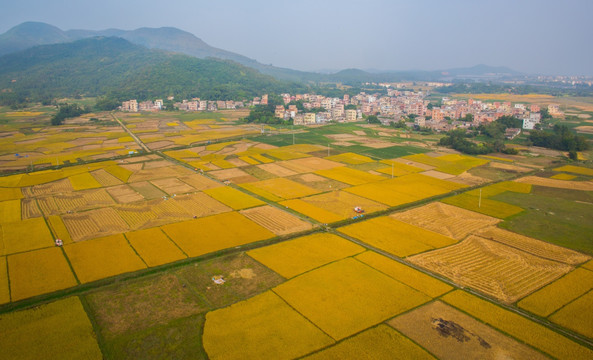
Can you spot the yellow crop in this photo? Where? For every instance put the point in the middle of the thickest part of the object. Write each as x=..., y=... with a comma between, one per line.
x=59, y=229
x=486, y=206
x=350, y=158
x=312, y=211
x=575, y=170
x=103, y=257
x=234, y=198
x=562, y=176
x=343, y=203
x=4, y=291
x=10, y=194
x=10, y=211
x=347, y=296
x=25, y=235
x=525, y=330
x=279, y=189
x=276, y=331
x=577, y=315
x=119, y=172
x=294, y=257
x=38, y=272
x=350, y=176
x=84, y=181
x=154, y=247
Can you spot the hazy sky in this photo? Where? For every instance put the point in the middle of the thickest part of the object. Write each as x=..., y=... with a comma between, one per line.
x=552, y=37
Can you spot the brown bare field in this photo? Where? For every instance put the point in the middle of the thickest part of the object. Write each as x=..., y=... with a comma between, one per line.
x=104, y=178
x=54, y=187
x=533, y=246
x=235, y=175
x=147, y=190
x=276, y=169
x=309, y=164
x=94, y=223
x=172, y=186
x=446, y=219
x=495, y=269
x=124, y=194
x=414, y=163
x=277, y=221
x=561, y=184
x=159, y=173
x=318, y=182
x=200, y=182
x=29, y=209
x=450, y=334
x=469, y=179
x=438, y=174
x=199, y=204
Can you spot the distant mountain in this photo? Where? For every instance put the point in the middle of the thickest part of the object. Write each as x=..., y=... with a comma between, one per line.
x=30, y=34
x=102, y=65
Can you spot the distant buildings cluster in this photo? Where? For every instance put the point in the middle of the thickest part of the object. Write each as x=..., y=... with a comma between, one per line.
x=195, y=104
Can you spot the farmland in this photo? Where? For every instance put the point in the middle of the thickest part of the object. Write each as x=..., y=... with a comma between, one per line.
x=363, y=248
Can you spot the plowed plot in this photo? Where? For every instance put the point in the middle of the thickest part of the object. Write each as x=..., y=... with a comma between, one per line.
x=342, y=204
x=492, y=268
x=350, y=176
x=60, y=186
x=29, y=209
x=172, y=186
x=277, y=221
x=294, y=257
x=154, y=247
x=105, y=178
x=276, y=331
x=104, y=257
x=396, y=237
x=200, y=182
x=309, y=164
x=276, y=169
x=533, y=246
x=58, y=330
x=94, y=223
x=147, y=190
x=25, y=235
x=446, y=219
x=561, y=184
x=346, y=296
x=213, y=233
x=236, y=176
x=199, y=204
x=234, y=198
x=38, y=272
x=450, y=334
x=279, y=189
x=124, y=194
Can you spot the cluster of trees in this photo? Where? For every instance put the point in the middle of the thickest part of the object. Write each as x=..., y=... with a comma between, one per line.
x=498, y=88
x=66, y=111
x=457, y=139
x=560, y=138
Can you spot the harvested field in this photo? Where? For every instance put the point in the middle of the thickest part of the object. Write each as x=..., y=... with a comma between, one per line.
x=279, y=189
x=277, y=221
x=276, y=169
x=121, y=173
x=234, y=198
x=405, y=274
x=105, y=178
x=124, y=194
x=172, y=186
x=310, y=164
x=350, y=176
x=237, y=176
x=495, y=269
x=450, y=334
x=154, y=247
x=38, y=272
x=325, y=296
x=25, y=235
x=561, y=184
x=445, y=219
x=201, y=236
x=438, y=174
x=343, y=203
x=295, y=257
x=58, y=330
x=559, y=293
x=103, y=257
x=137, y=216
x=160, y=173
x=521, y=328
x=199, y=204
x=29, y=209
x=396, y=237
x=94, y=223
x=147, y=190
x=381, y=342
x=279, y=332
x=533, y=246
x=577, y=315
x=82, y=200
x=200, y=182
x=59, y=186
x=170, y=210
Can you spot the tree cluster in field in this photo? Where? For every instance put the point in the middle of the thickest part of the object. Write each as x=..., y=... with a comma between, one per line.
x=560, y=138
x=66, y=111
x=457, y=139
x=265, y=114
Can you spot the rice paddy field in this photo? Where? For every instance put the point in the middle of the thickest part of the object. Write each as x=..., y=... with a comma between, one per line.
x=220, y=242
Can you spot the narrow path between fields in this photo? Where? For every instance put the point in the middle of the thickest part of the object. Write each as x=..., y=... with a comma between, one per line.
x=136, y=139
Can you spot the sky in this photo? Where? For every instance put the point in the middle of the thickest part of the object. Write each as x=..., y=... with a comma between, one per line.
x=534, y=37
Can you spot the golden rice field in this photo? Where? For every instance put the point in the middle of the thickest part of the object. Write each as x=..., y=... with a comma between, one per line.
x=484, y=206
x=279, y=189
x=405, y=274
x=4, y=288
x=58, y=330
x=103, y=257
x=295, y=257
x=59, y=229
x=451, y=163
x=154, y=247
x=275, y=331
x=233, y=198
x=559, y=293
x=208, y=234
x=575, y=170
x=38, y=272
x=563, y=176
x=312, y=211
x=500, y=271
x=310, y=164
x=10, y=194
x=347, y=296
x=277, y=221
x=576, y=315
x=26, y=235
x=521, y=328
x=397, y=168
x=350, y=158
x=350, y=176
x=10, y=211
x=380, y=342
x=450, y=334
x=396, y=237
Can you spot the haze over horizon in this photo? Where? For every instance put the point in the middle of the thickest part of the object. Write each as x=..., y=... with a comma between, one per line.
x=526, y=35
